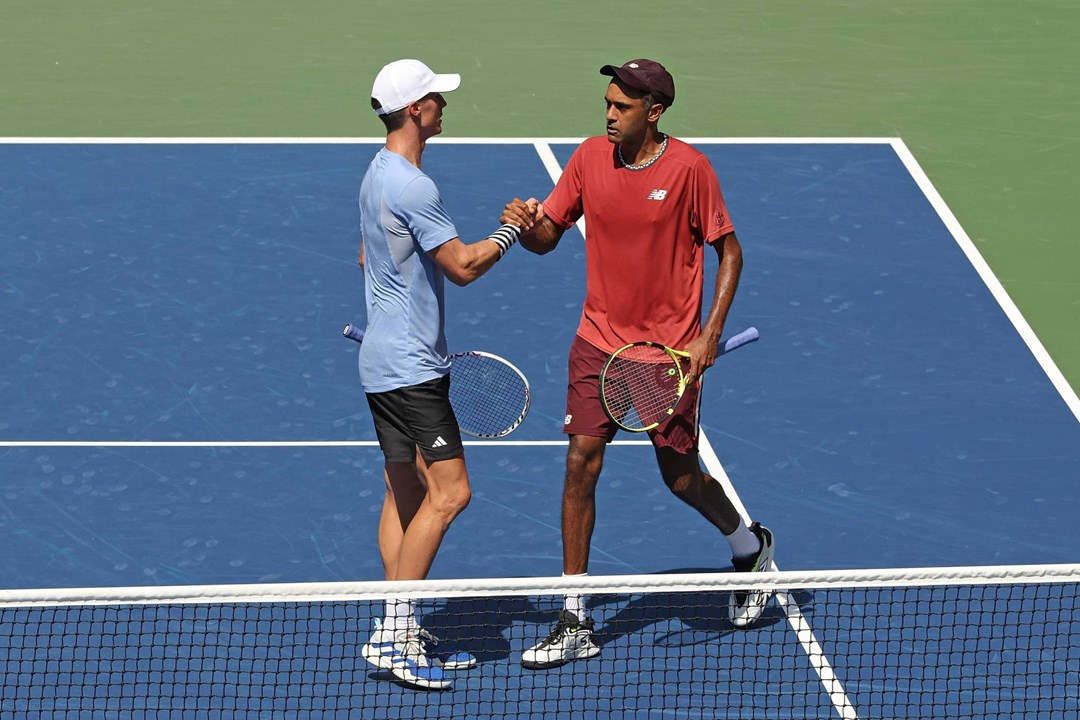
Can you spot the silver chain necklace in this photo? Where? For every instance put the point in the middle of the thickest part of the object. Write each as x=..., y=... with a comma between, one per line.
x=647, y=163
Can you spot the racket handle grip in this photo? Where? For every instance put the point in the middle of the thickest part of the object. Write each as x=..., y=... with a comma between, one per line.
x=353, y=333
x=748, y=335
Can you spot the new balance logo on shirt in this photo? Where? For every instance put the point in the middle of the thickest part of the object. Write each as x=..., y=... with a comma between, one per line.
x=439, y=442
x=657, y=194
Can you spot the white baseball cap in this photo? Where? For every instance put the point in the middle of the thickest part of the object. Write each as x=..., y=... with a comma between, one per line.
x=406, y=81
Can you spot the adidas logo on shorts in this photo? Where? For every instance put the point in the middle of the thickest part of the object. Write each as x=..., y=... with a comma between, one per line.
x=439, y=442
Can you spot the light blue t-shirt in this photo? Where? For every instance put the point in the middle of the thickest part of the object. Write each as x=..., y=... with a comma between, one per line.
x=401, y=219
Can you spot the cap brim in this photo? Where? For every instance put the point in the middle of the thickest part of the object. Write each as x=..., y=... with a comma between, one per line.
x=446, y=83
x=627, y=78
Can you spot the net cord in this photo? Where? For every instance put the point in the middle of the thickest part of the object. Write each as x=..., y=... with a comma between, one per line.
x=593, y=584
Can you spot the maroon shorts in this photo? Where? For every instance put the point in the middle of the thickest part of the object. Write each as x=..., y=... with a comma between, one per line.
x=585, y=412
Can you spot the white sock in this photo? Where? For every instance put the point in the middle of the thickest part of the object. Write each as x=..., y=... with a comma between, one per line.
x=575, y=603
x=399, y=615
x=743, y=542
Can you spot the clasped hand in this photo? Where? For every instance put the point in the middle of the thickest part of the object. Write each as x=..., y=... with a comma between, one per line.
x=523, y=213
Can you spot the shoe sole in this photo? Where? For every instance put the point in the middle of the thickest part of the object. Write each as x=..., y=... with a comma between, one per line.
x=383, y=662
x=452, y=666
x=535, y=665
x=420, y=682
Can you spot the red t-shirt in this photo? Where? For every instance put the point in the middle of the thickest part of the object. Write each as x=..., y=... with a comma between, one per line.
x=645, y=233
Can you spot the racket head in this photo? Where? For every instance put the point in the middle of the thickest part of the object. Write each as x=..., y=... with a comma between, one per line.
x=640, y=385
x=490, y=396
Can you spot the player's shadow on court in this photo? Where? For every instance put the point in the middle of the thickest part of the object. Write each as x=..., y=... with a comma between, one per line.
x=484, y=626
x=678, y=618
x=495, y=628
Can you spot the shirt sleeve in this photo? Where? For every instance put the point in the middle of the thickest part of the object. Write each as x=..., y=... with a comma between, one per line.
x=563, y=205
x=709, y=215
x=421, y=209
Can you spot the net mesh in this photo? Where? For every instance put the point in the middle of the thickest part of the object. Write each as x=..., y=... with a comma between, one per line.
x=977, y=643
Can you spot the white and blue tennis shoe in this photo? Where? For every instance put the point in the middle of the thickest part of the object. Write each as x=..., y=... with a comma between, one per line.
x=446, y=657
x=415, y=656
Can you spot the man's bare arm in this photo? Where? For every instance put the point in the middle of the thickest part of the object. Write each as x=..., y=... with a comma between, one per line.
x=463, y=263
x=543, y=237
x=703, y=349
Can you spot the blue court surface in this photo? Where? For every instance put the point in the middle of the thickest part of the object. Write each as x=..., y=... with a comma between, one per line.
x=177, y=404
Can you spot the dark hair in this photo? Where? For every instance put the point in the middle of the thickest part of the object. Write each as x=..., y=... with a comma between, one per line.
x=392, y=121
x=647, y=98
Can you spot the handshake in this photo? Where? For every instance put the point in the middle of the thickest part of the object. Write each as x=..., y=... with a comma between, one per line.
x=525, y=214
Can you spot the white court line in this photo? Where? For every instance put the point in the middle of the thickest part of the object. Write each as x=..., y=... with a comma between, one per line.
x=435, y=141
x=543, y=149
x=803, y=632
x=272, y=443
x=712, y=463
x=992, y=283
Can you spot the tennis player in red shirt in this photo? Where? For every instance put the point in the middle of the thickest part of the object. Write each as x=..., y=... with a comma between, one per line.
x=651, y=205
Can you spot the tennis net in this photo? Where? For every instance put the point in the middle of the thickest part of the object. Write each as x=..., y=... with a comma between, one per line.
x=997, y=642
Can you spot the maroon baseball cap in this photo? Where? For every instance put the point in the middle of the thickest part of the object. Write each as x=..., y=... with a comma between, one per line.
x=647, y=76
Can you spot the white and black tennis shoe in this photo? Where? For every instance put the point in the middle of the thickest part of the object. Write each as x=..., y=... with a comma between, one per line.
x=745, y=607
x=572, y=639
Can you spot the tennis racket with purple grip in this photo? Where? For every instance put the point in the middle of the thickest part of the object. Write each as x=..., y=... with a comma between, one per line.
x=641, y=383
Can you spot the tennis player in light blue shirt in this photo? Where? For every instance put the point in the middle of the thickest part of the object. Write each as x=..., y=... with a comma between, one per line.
x=403, y=219
x=410, y=246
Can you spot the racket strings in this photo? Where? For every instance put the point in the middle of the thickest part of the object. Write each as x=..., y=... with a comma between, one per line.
x=641, y=385
x=489, y=397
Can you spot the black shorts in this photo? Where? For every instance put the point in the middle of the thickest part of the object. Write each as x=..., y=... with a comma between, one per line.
x=418, y=416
